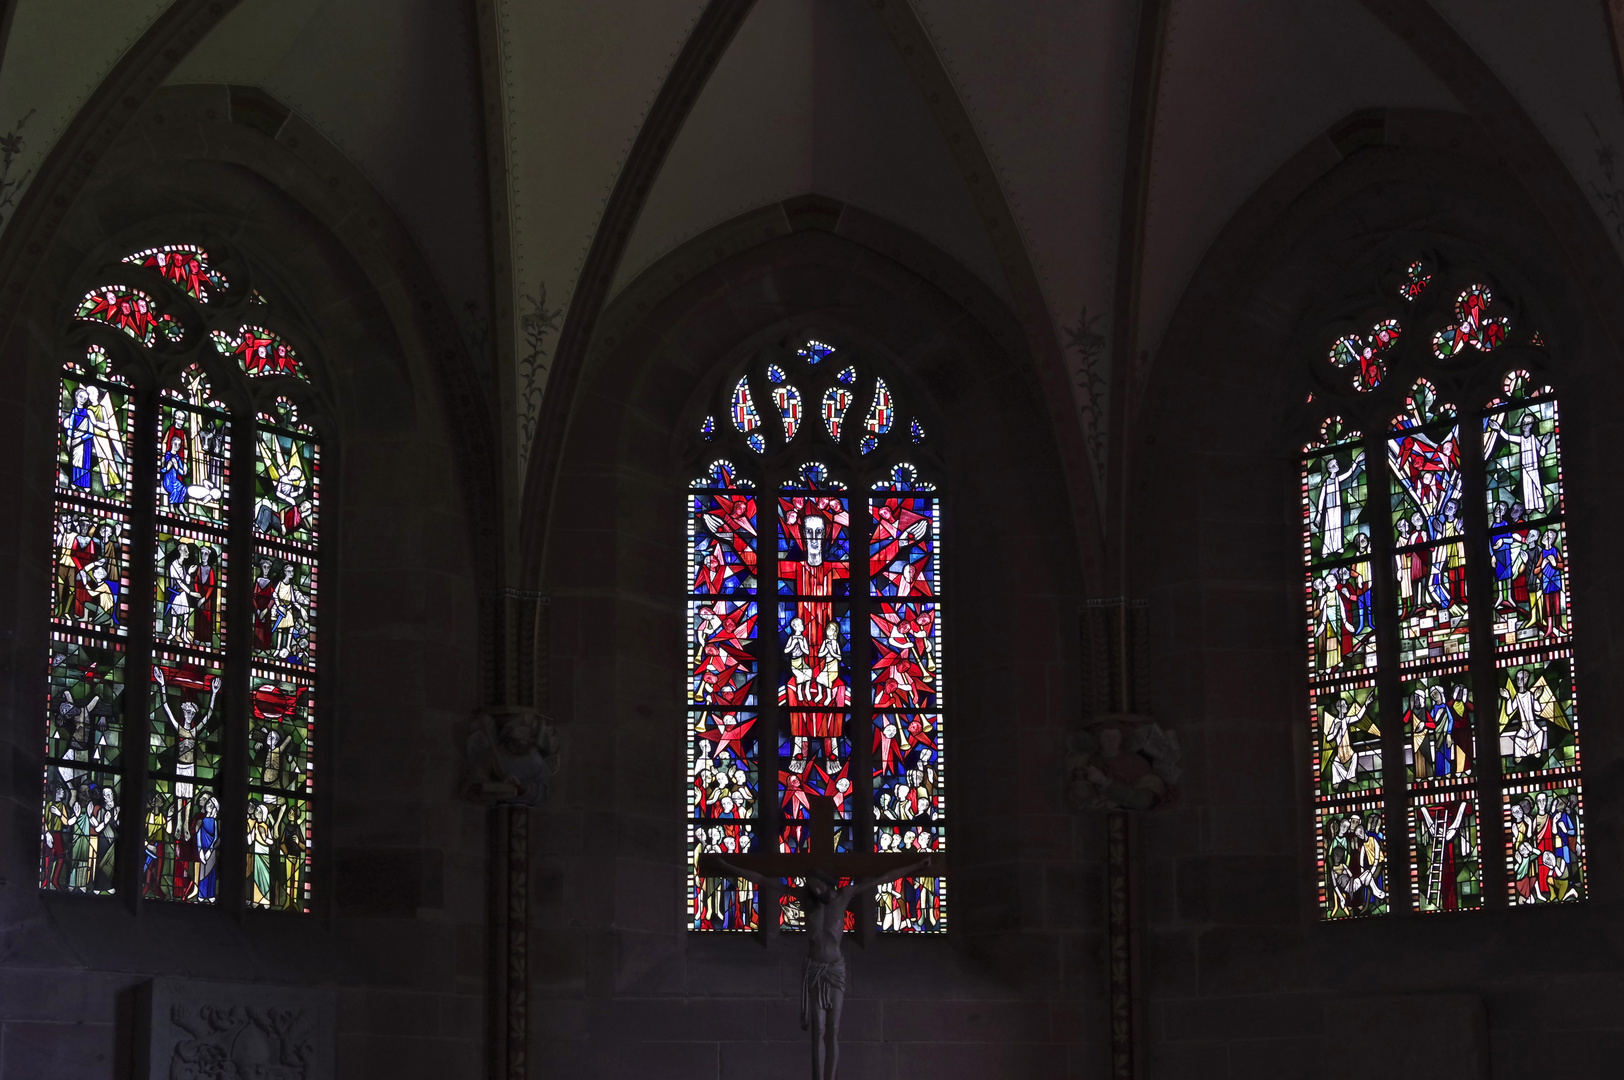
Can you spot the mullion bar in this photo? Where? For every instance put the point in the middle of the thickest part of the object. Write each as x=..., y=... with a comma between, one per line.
x=769, y=814
x=747, y=827
x=233, y=841
x=861, y=717
x=143, y=485
x=1486, y=733
x=1395, y=778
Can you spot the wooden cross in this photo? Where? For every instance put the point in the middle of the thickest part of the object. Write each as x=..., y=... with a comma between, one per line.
x=822, y=858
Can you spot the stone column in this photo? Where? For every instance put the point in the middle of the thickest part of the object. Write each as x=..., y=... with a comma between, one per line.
x=1120, y=763
x=510, y=774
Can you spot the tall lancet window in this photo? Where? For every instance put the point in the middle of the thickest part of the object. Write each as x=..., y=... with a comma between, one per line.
x=814, y=631
x=1442, y=710
x=179, y=737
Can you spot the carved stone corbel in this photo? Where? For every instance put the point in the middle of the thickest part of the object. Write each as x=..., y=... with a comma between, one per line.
x=513, y=754
x=1122, y=761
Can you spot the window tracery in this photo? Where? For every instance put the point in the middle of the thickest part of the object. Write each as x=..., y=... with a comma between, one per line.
x=168, y=704
x=1439, y=623
x=811, y=671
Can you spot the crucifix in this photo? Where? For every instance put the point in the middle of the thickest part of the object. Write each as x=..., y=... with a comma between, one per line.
x=824, y=900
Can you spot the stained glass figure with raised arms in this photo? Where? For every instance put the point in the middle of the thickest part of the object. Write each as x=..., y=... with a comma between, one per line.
x=200, y=742
x=1444, y=721
x=780, y=596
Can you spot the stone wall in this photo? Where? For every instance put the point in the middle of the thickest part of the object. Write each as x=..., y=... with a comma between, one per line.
x=397, y=929
x=620, y=988
x=1242, y=977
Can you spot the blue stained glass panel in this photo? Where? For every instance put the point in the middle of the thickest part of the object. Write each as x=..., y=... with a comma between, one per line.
x=907, y=647
x=722, y=543
x=722, y=765
x=902, y=546
x=721, y=666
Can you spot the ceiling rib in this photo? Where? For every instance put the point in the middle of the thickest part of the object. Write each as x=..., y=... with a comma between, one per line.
x=918, y=51
x=712, y=33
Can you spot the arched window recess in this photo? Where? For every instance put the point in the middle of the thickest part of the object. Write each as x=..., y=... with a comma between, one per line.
x=182, y=668
x=813, y=671
x=1439, y=616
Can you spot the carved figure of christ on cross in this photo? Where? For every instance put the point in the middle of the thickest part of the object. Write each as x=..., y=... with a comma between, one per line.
x=823, y=982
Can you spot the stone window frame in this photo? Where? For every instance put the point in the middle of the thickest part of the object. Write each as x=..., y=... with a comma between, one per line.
x=252, y=296
x=1471, y=381
x=771, y=472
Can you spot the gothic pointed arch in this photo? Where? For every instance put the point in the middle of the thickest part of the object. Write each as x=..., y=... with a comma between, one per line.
x=188, y=457
x=815, y=621
x=1439, y=599
x=1295, y=297
x=614, y=559
x=356, y=336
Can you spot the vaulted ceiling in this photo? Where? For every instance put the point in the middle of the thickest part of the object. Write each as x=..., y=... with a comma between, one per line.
x=839, y=98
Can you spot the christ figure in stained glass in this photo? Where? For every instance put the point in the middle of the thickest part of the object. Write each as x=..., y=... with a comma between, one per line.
x=1528, y=713
x=178, y=595
x=1531, y=449
x=1340, y=725
x=93, y=441
x=1328, y=514
x=814, y=648
x=189, y=728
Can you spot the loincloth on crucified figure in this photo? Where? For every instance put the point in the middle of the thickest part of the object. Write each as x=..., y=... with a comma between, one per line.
x=819, y=984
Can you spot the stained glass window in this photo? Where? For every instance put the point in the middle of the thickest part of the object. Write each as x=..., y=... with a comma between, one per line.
x=186, y=265
x=130, y=310
x=1439, y=623
x=217, y=719
x=258, y=350
x=814, y=636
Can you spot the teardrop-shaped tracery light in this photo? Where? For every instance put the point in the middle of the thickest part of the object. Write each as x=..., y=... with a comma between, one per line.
x=788, y=400
x=775, y=374
x=916, y=431
x=707, y=428
x=881, y=414
x=745, y=417
x=848, y=375
x=836, y=400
